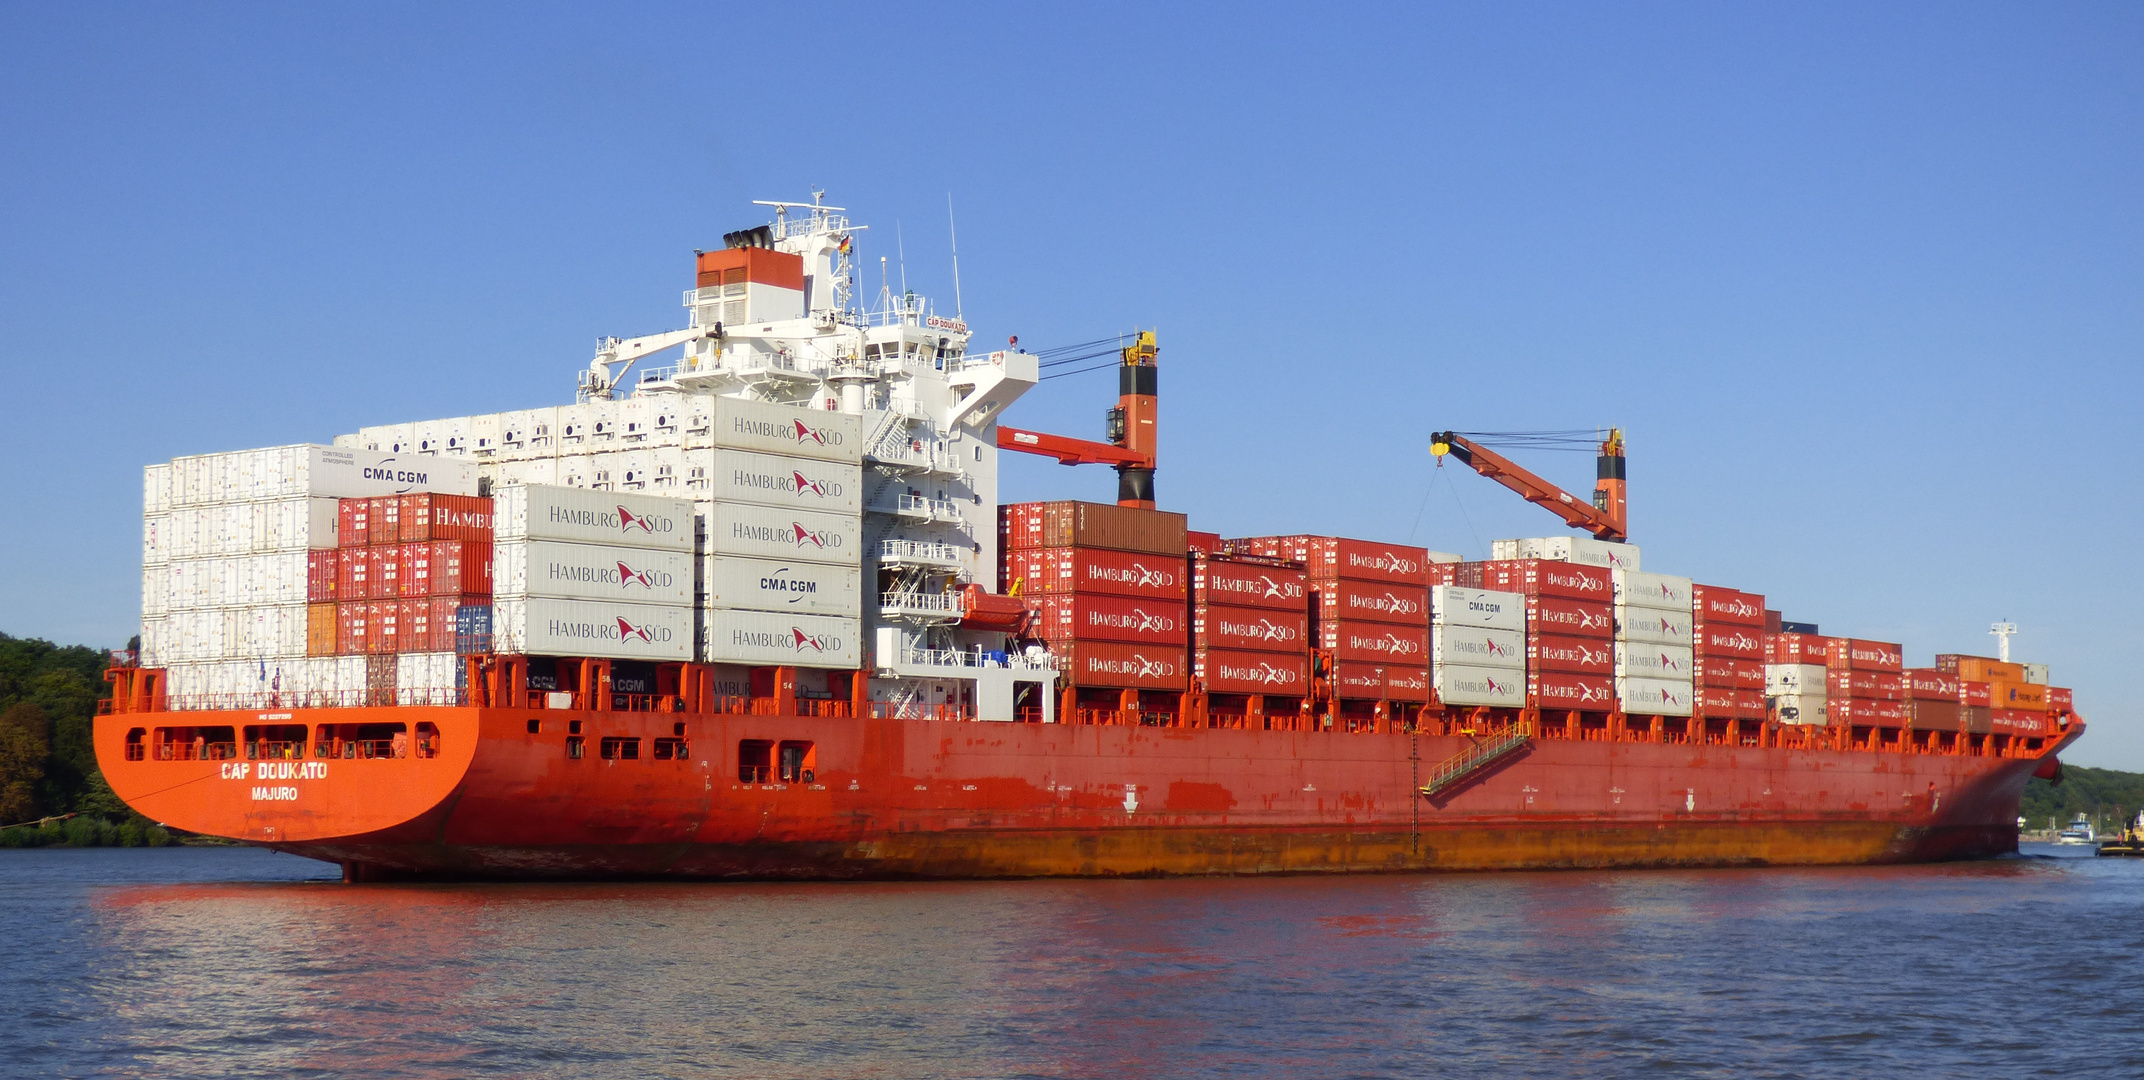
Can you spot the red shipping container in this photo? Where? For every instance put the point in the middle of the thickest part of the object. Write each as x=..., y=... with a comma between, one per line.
x=353, y=574
x=1358, y=681
x=1251, y=629
x=386, y=515
x=1228, y=672
x=1568, y=691
x=2024, y=723
x=1203, y=543
x=430, y=624
x=353, y=627
x=447, y=568
x=1112, y=618
x=385, y=621
x=1864, y=655
x=321, y=568
x=1749, y=704
x=1576, y=656
x=1371, y=601
x=431, y=516
x=1932, y=715
x=353, y=522
x=1240, y=584
x=1547, y=577
x=1740, y=642
x=1713, y=604
x=1330, y=557
x=1749, y=675
x=389, y=570
x=1972, y=693
x=1060, y=570
x=1133, y=667
x=1716, y=700
x=1931, y=684
x=1443, y=573
x=1556, y=616
x=1874, y=685
x=2060, y=699
x=1801, y=648
x=1382, y=643
x=1407, y=683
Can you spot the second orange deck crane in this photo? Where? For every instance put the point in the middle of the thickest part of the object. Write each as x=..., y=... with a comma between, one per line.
x=1131, y=430
x=1606, y=517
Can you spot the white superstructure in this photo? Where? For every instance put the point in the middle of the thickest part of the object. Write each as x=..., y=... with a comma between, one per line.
x=802, y=428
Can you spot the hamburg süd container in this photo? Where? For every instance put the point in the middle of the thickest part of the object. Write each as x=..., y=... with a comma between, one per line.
x=1663, y=592
x=1652, y=625
x=543, y=626
x=1242, y=629
x=1096, y=570
x=566, y=571
x=1111, y=618
x=829, y=487
x=1571, y=655
x=1547, y=577
x=1385, y=643
x=1643, y=660
x=1477, y=646
x=1727, y=640
x=582, y=516
x=1572, y=690
x=1249, y=584
x=1123, y=665
x=1654, y=697
x=1459, y=685
x=774, y=638
x=787, y=431
x=1572, y=549
x=1330, y=557
x=1717, y=604
x=766, y=532
x=1227, y=671
x=1371, y=601
x=1570, y=618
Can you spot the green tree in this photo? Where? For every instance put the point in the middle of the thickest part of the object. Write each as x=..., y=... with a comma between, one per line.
x=24, y=746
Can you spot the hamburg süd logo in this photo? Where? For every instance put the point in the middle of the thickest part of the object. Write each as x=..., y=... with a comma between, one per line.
x=629, y=576
x=805, y=431
x=628, y=521
x=804, y=485
x=628, y=632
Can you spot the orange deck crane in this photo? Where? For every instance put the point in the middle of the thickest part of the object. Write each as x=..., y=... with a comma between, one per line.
x=1606, y=518
x=1131, y=430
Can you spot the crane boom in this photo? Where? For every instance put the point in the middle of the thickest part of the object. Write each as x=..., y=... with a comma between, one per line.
x=1131, y=428
x=1606, y=517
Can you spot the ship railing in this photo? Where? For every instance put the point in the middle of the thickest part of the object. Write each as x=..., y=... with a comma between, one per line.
x=928, y=603
x=961, y=658
x=186, y=751
x=317, y=699
x=263, y=748
x=922, y=550
x=360, y=749
x=919, y=710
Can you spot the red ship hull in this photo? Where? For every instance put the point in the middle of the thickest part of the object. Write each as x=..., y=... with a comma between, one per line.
x=964, y=799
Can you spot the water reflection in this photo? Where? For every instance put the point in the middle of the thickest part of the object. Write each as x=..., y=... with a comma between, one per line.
x=1750, y=972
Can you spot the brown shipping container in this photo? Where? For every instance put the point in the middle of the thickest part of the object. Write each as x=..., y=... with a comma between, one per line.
x=1576, y=656
x=1371, y=601
x=1112, y=618
x=431, y=516
x=1977, y=721
x=322, y=586
x=322, y=629
x=2004, y=694
x=1059, y=570
x=1244, y=629
x=447, y=568
x=1228, y=672
x=1974, y=694
x=353, y=627
x=1714, y=604
x=1567, y=691
x=1383, y=643
x=1547, y=577
x=1931, y=715
x=1718, y=639
x=1132, y=667
x=1100, y=525
x=1330, y=557
x=1550, y=615
x=1249, y=584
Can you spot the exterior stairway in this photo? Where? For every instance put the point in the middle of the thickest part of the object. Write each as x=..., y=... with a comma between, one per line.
x=1475, y=758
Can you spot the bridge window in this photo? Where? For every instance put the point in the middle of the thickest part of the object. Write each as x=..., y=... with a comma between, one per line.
x=576, y=747
x=196, y=743
x=799, y=764
x=427, y=739
x=135, y=749
x=275, y=741
x=616, y=748
x=755, y=761
x=671, y=750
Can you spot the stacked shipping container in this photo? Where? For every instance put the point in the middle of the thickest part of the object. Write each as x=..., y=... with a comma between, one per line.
x=592, y=573
x=1107, y=584
x=1570, y=624
x=402, y=568
x=1478, y=650
x=1250, y=618
x=1727, y=644
x=1654, y=663
x=1369, y=610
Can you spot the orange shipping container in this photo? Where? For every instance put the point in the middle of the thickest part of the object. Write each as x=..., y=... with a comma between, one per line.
x=322, y=629
x=446, y=568
x=431, y=516
x=2004, y=694
x=1069, y=523
x=1982, y=669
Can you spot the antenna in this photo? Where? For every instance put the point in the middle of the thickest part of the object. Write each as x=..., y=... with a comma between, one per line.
x=900, y=248
x=955, y=236
x=2002, y=632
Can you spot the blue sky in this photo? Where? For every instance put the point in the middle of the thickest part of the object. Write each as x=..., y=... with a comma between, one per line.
x=1860, y=281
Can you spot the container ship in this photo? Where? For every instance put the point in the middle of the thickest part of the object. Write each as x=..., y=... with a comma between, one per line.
x=755, y=611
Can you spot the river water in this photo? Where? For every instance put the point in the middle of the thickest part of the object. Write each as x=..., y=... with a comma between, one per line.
x=235, y=962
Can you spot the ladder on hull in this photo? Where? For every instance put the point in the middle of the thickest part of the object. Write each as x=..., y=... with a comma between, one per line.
x=1475, y=758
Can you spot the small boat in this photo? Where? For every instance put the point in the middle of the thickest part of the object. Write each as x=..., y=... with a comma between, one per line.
x=2079, y=832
